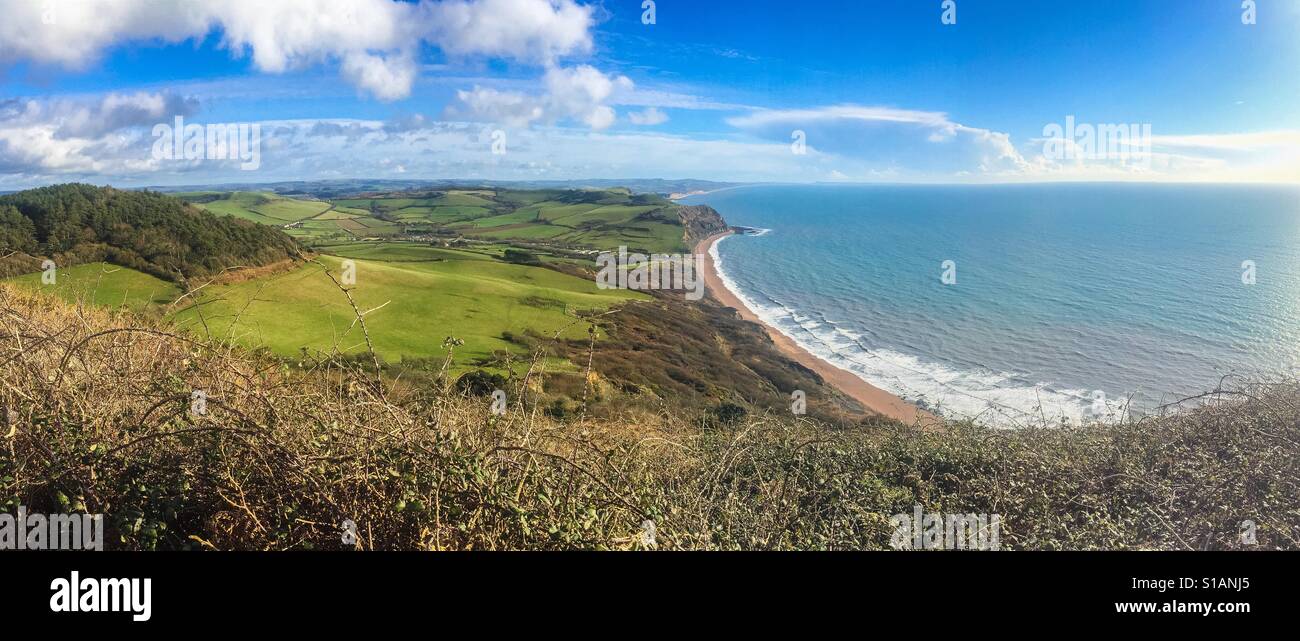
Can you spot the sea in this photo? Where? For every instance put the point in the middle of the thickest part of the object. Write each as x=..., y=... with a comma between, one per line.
x=1031, y=303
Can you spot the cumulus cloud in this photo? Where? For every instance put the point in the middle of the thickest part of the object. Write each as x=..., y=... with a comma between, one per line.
x=650, y=116
x=578, y=94
x=581, y=92
x=117, y=111
x=374, y=42
x=484, y=104
x=351, y=130
x=527, y=30
x=408, y=122
x=86, y=136
x=387, y=78
x=416, y=146
x=73, y=34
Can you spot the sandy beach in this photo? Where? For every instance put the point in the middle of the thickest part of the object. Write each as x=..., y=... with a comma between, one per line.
x=874, y=399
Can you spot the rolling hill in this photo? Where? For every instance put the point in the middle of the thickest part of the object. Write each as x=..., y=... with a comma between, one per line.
x=417, y=305
x=150, y=232
x=492, y=268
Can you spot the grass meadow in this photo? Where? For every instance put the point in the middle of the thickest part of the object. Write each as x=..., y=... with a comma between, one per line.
x=105, y=285
x=416, y=306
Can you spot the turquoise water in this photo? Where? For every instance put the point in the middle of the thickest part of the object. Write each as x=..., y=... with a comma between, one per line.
x=1065, y=294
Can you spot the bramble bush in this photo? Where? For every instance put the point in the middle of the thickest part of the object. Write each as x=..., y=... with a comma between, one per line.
x=101, y=417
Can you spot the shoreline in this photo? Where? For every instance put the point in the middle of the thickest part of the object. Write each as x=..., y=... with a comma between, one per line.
x=872, y=398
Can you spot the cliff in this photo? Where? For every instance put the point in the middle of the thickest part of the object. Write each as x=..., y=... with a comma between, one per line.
x=700, y=221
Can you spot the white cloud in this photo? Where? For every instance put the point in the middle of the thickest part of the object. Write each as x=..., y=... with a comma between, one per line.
x=87, y=136
x=929, y=146
x=670, y=99
x=387, y=78
x=1268, y=156
x=374, y=42
x=580, y=93
x=1281, y=139
x=884, y=137
x=312, y=149
x=527, y=30
x=651, y=116
x=937, y=121
x=74, y=33
x=509, y=108
x=107, y=140
x=111, y=113
x=577, y=93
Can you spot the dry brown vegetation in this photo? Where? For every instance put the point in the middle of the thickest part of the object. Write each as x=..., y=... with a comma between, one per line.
x=101, y=417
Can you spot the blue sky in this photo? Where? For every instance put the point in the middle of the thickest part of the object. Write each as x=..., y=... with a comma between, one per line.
x=876, y=90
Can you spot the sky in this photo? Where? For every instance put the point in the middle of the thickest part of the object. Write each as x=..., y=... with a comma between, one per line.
x=930, y=91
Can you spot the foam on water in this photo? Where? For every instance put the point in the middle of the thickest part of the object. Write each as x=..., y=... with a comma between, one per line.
x=1133, y=290
x=998, y=398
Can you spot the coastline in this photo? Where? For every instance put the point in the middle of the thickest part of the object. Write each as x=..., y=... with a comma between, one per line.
x=870, y=397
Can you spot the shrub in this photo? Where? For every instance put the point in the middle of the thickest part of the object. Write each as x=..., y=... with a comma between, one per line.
x=98, y=417
x=480, y=383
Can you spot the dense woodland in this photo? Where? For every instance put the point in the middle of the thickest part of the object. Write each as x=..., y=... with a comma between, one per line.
x=148, y=231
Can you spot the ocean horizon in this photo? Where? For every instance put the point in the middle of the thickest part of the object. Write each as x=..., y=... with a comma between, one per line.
x=1066, y=301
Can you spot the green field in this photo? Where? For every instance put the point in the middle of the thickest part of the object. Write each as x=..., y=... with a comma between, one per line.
x=105, y=285
x=260, y=207
x=309, y=220
x=474, y=300
x=597, y=219
x=424, y=291
x=446, y=278
x=399, y=252
x=427, y=294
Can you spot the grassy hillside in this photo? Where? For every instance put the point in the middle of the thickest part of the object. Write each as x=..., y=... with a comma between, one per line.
x=309, y=220
x=497, y=301
x=551, y=221
x=105, y=285
x=490, y=305
x=418, y=304
x=696, y=355
x=101, y=419
x=421, y=293
x=259, y=207
x=601, y=219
